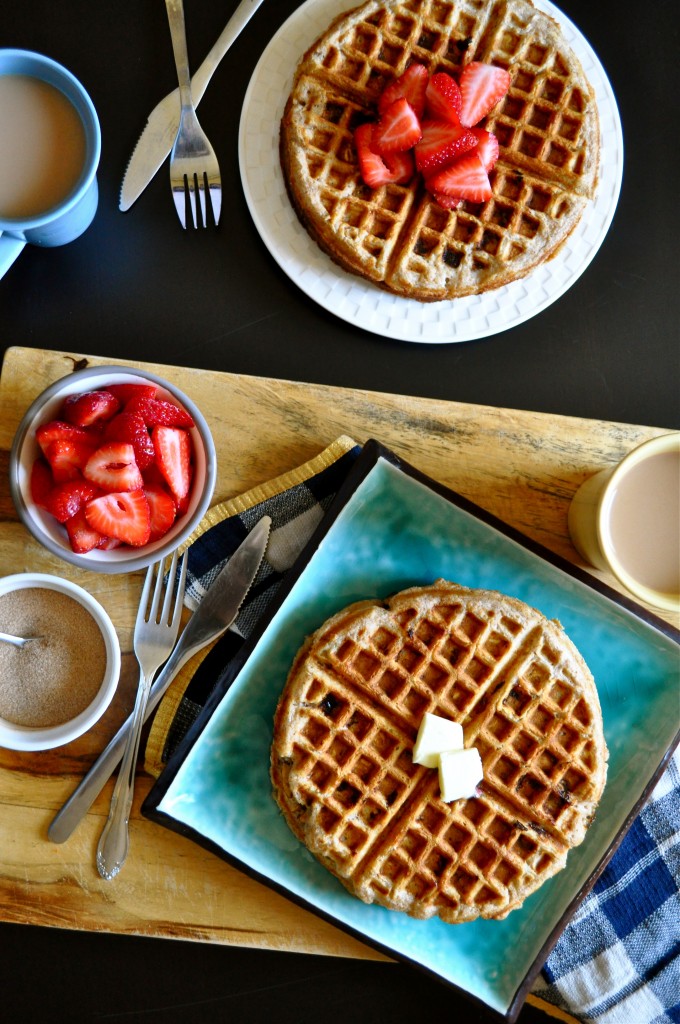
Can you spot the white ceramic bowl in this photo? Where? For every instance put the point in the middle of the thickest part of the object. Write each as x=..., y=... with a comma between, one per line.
x=45, y=527
x=21, y=737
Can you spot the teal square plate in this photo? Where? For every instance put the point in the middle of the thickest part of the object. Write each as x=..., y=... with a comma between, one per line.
x=391, y=527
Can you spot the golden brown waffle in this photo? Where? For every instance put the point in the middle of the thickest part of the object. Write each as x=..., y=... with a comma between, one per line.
x=342, y=767
x=398, y=236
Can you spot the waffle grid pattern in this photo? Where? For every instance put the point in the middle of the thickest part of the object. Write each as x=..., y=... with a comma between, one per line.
x=546, y=126
x=342, y=759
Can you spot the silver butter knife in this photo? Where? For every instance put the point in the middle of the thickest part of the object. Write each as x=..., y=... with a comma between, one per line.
x=155, y=142
x=214, y=615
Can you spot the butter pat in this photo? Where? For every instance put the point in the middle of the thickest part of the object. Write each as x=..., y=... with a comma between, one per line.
x=460, y=772
x=435, y=735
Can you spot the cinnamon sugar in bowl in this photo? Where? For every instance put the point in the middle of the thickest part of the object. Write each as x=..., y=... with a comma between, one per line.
x=56, y=687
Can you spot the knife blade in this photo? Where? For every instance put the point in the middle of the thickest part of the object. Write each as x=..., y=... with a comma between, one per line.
x=156, y=141
x=215, y=614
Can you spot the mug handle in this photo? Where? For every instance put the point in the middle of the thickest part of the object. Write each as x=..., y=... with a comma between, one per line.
x=9, y=250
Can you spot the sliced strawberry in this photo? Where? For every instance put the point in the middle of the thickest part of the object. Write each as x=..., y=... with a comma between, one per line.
x=67, y=458
x=162, y=509
x=398, y=128
x=401, y=166
x=130, y=427
x=441, y=144
x=411, y=86
x=156, y=410
x=113, y=468
x=82, y=537
x=448, y=202
x=124, y=392
x=90, y=407
x=173, y=456
x=65, y=499
x=466, y=178
x=372, y=167
x=124, y=516
x=442, y=98
x=487, y=147
x=481, y=87
x=152, y=475
x=108, y=544
x=41, y=482
x=59, y=430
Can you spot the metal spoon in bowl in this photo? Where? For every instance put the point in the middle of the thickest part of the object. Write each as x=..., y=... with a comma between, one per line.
x=18, y=641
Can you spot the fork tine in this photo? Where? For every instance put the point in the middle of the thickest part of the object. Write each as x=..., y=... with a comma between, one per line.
x=144, y=599
x=181, y=583
x=215, y=192
x=169, y=590
x=152, y=615
x=201, y=183
x=180, y=200
x=191, y=190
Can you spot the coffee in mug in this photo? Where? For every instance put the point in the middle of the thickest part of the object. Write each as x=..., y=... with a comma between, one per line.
x=50, y=150
x=43, y=147
x=626, y=520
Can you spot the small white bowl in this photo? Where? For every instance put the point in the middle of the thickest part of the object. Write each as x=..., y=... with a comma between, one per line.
x=21, y=737
x=45, y=527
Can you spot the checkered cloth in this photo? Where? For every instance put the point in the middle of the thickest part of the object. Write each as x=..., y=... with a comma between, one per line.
x=618, y=961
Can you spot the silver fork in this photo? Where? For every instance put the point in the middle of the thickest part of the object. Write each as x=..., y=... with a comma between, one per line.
x=155, y=635
x=193, y=164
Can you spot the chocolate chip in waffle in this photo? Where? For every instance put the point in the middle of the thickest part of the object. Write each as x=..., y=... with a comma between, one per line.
x=342, y=767
x=398, y=236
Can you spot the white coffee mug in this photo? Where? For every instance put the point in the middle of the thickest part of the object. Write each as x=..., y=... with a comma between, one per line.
x=626, y=520
x=67, y=218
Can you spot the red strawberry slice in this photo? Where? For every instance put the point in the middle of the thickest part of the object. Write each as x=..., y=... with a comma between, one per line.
x=113, y=468
x=398, y=128
x=123, y=516
x=90, y=407
x=401, y=166
x=442, y=142
x=67, y=458
x=59, y=430
x=108, y=543
x=41, y=482
x=162, y=509
x=487, y=147
x=156, y=410
x=448, y=202
x=173, y=455
x=466, y=178
x=82, y=537
x=481, y=87
x=124, y=392
x=372, y=167
x=443, y=100
x=65, y=499
x=130, y=427
x=411, y=86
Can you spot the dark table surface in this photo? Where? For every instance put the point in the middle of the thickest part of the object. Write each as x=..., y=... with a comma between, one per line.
x=136, y=286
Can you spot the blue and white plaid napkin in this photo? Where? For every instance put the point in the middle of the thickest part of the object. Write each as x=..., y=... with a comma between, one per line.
x=618, y=960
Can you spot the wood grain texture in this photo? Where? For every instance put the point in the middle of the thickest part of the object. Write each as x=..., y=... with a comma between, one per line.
x=524, y=467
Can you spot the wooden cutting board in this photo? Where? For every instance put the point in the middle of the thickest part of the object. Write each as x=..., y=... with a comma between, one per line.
x=522, y=466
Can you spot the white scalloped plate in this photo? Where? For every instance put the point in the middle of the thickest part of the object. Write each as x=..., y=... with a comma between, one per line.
x=360, y=302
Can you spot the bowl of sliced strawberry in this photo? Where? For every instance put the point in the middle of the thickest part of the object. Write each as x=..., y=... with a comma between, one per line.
x=112, y=468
